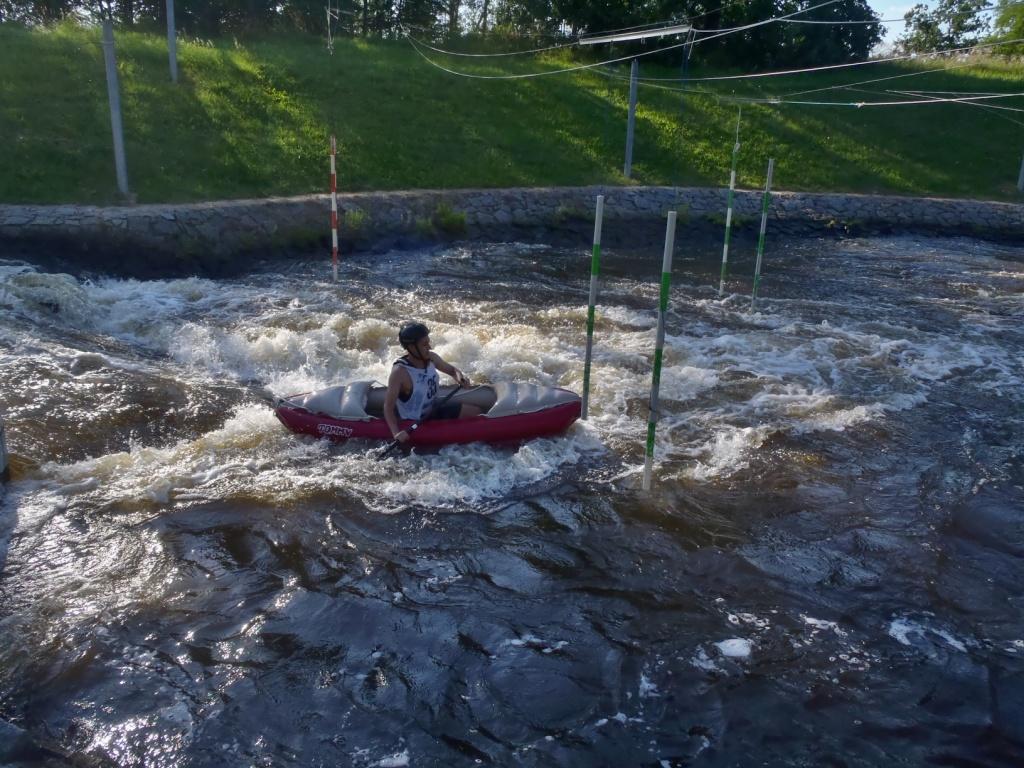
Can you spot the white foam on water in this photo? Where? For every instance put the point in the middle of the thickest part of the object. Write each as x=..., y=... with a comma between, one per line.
x=750, y=619
x=685, y=382
x=798, y=376
x=647, y=689
x=734, y=648
x=727, y=451
x=702, y=661
x=840, y=420
x=913, y=634
x=141, y=312
x=821, y=624
x=535, y=643
x=152, y=474
x=397, y=760
x=253, y=454
x=940, y=359
x=626, y=317
x=473, y=473
x=288, y=360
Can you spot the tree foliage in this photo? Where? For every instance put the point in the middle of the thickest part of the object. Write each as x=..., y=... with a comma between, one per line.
x=789, y=42
x=1009, y=25
x=951, y=24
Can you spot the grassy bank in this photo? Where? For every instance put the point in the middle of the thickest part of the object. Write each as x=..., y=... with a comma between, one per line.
x=252, y=119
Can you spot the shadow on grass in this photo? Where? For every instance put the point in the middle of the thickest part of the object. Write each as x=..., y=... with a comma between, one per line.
x=254, y=120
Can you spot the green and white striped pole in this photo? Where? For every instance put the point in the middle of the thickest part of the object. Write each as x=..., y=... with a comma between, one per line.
x=595, y=268
x=764, y=225
x=728, y=210
x=666, y=280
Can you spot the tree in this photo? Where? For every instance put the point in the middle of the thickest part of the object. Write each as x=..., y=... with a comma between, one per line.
x=952, y=24
x=768, y=45
x=1009, y=25
x=36, y=11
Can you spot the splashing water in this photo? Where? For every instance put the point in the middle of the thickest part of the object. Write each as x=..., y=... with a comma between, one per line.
x=828, y=569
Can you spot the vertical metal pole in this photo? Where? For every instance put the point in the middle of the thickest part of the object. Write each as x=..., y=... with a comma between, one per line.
x=1020, y=179
x=728, y=209
x=764, y=226
x=114, y=97
x=666, y=280
x=634, y=71
x=334, y=208
x=172, y=41
x=595, y=269
x=687, y=51
x=330, y=40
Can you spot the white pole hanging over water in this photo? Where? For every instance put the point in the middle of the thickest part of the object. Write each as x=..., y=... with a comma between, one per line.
x=634, y=72
x=114, y=97
x=1020, y=178
x=728, y=209
x=675, y=29
x=764, y=226
x=666, y=280
x=595, y=268
x=334, y=208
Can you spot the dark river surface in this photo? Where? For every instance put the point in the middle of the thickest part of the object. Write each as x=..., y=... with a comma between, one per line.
x=828, y=571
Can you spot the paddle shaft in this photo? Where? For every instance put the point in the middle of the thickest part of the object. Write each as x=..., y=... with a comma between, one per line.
x=395, y=443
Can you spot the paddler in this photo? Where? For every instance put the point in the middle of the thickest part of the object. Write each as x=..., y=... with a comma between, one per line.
x=412, y=386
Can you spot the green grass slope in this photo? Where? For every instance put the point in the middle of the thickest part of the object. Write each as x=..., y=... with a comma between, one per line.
x=252, y=119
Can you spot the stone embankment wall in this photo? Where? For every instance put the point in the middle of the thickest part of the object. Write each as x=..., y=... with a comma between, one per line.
x=208, y=235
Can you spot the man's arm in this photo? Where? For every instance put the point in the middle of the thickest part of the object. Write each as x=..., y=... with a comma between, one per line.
x=450, y=369
x=395, y=382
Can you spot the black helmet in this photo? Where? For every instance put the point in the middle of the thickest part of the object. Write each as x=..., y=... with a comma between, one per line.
x=410, y=333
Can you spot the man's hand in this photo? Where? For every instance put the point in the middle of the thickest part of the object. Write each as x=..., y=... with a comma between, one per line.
x=461, y=378
x=402, y=436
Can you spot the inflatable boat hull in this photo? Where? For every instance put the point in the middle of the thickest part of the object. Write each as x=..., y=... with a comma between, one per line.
x=537, y=413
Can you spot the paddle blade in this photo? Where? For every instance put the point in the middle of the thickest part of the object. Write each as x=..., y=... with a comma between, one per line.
x=388, y=450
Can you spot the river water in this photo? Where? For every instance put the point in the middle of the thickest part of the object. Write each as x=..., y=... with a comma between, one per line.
x=828, y=571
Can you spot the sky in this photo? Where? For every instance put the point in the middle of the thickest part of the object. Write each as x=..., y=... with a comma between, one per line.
x=892, y=9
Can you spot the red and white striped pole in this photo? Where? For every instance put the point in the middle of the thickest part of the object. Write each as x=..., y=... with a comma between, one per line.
x=334, y=208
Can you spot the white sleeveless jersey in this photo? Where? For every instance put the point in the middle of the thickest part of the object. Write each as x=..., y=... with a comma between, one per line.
x=424, y=389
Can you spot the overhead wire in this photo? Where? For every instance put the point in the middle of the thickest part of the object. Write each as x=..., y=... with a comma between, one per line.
x=999, y=107
x=827, y=67
x=653, y=26
x=771, y=100
x=784, y=100
x=778, y=101
x=987, y=106
x=879, y=79
x=496, y=55
x=415, y=45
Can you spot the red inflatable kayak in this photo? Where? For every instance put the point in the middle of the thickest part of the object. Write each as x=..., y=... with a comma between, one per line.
x=511, y=412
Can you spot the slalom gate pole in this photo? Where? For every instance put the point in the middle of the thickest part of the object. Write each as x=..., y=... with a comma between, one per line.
x=1020, y=178
x=334, y=207
x=595, y=268
x=728, y=209
x=666, y=280
x=764, y=225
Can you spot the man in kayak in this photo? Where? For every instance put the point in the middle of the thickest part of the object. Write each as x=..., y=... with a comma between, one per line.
x=412, y=385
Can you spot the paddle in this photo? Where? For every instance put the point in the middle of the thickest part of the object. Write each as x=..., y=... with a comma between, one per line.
x=395, y=443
